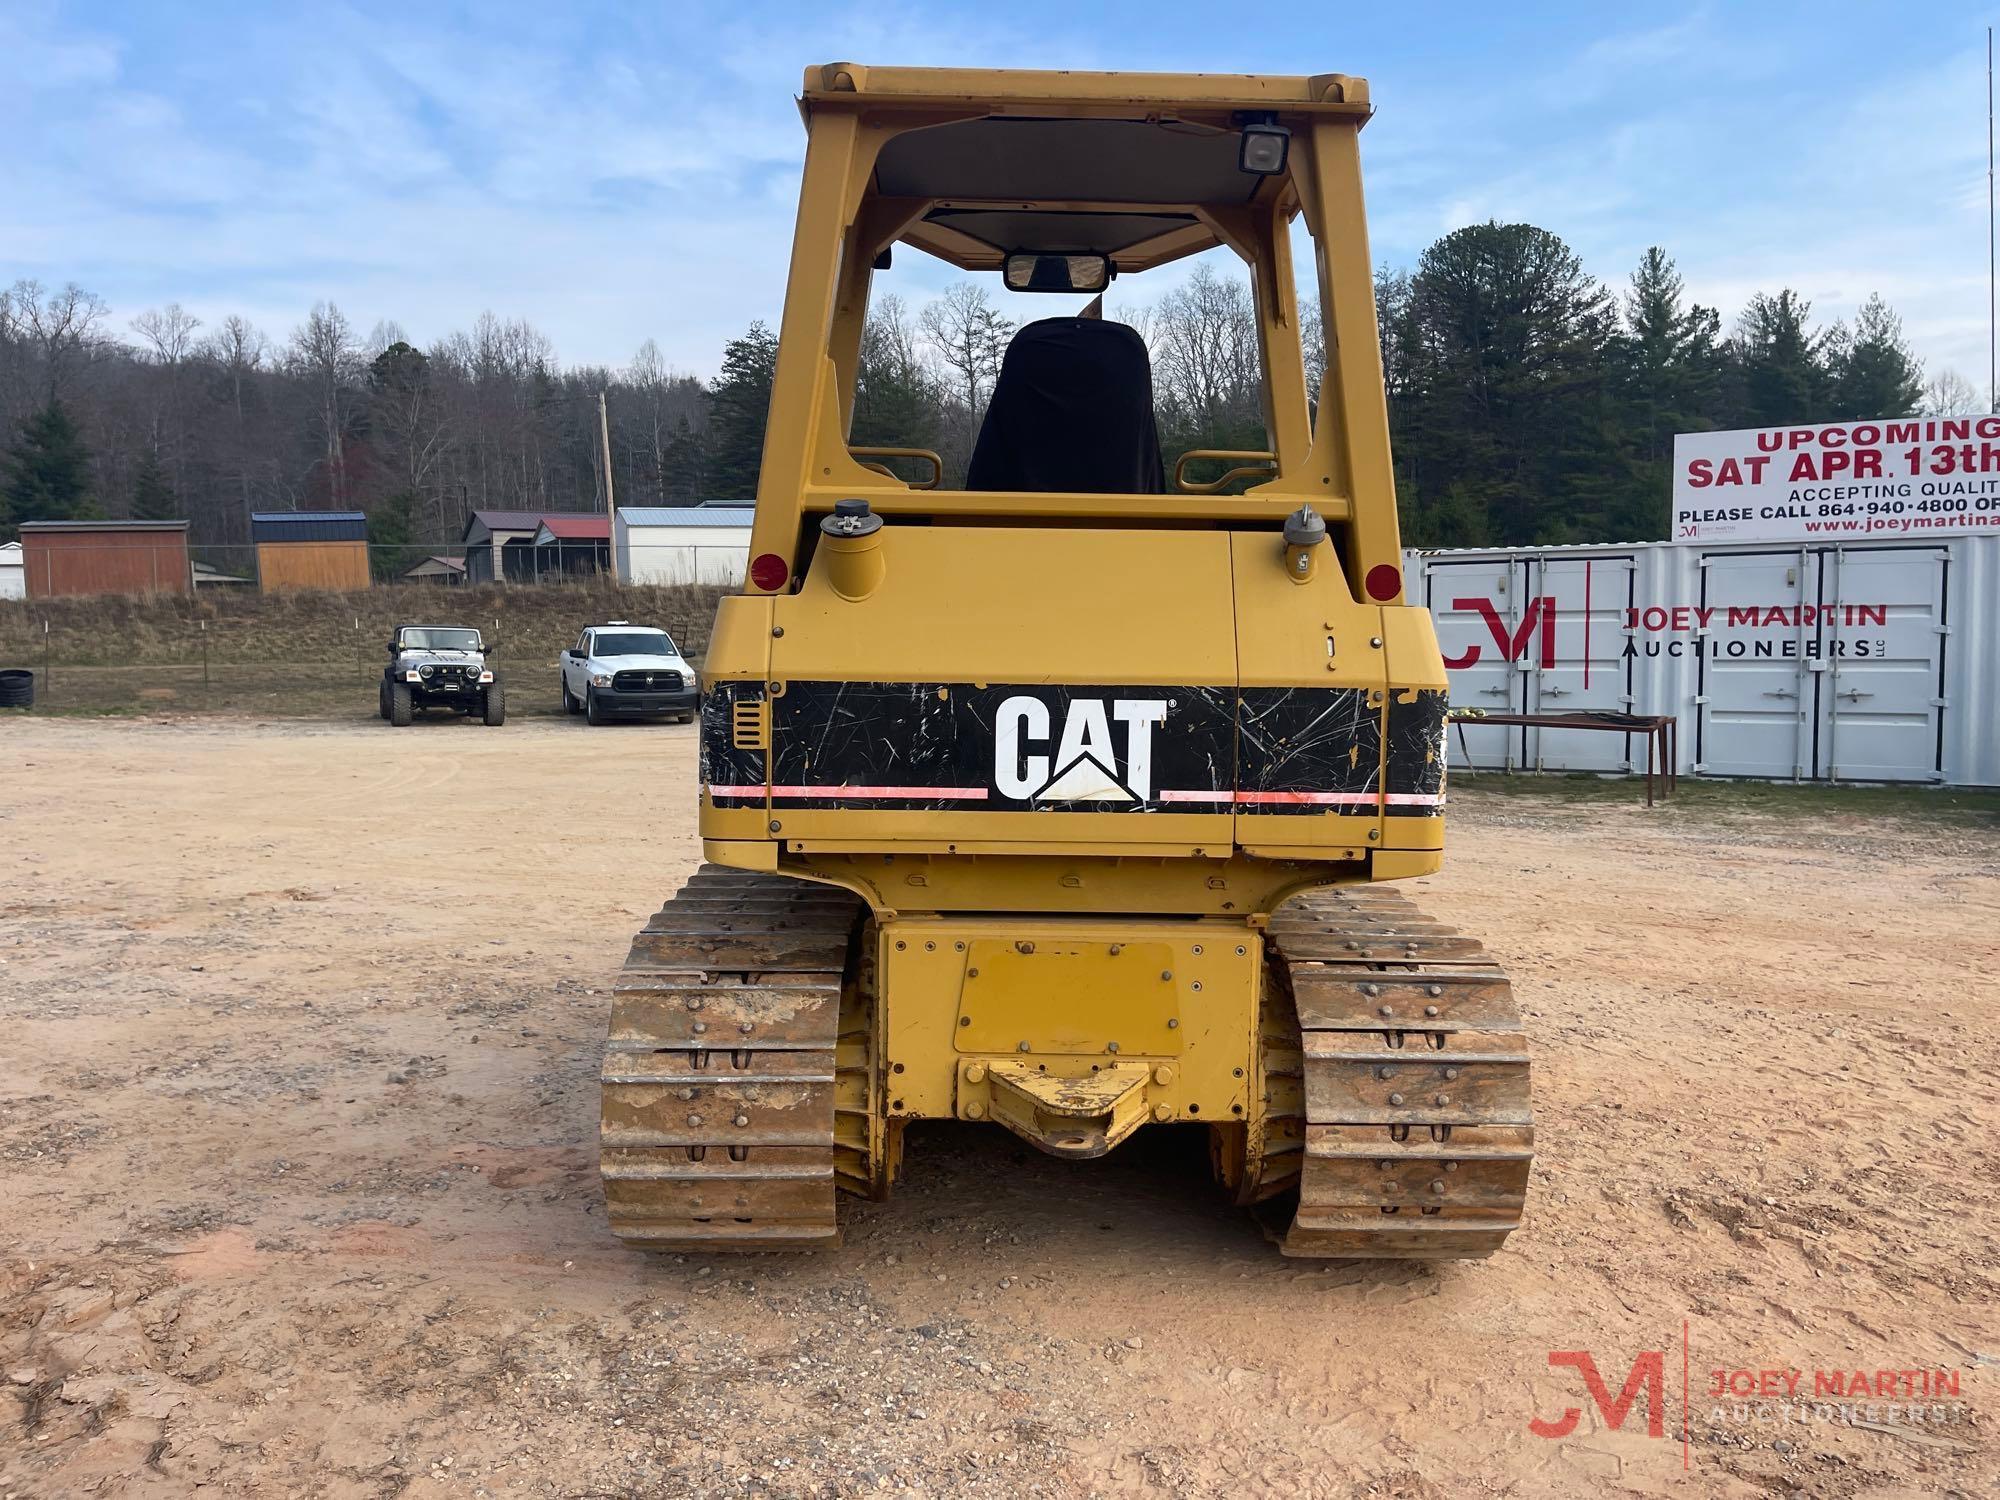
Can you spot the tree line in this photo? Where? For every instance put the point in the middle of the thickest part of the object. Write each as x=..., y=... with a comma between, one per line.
x=1528, y=403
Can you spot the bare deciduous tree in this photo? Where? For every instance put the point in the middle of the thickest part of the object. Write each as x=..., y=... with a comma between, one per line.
x=323, y=354
x=1950, y=394
x=970, y=336
x=170, y=332
x=236, y=352
x=1205, y=351
x=386, y=334
x=655, y=423
x=60, y=327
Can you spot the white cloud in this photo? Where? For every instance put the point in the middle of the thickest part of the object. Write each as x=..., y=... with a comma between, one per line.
x=614, y=180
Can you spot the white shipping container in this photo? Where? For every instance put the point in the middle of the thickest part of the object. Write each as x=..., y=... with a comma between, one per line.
x=1856, y=661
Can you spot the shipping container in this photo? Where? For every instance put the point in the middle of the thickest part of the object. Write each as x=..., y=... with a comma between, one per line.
x=105, y=557
x=1855, y=661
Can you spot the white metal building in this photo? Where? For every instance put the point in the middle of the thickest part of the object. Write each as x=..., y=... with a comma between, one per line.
x=683, y=544
x=1865, y=661
x=13, y=572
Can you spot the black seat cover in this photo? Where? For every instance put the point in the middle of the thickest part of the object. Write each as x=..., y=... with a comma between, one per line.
x=1072, y=412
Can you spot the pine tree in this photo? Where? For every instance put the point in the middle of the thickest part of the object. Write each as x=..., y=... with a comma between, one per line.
x=392, y=526
x=739, y=405
x=45, y=472
x=1877, y=375
x=897, y=402
x=1669, y=372
x=1503, y=351
x=153, y=497
x=683, y=463
x=1783, y=363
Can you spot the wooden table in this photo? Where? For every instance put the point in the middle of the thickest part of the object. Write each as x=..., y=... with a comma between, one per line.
x=1662, y=732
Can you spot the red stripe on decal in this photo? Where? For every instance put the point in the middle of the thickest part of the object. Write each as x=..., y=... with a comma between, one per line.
x=1316, y=799
x=1308, y=799
x=864, y=793
x=869, y=793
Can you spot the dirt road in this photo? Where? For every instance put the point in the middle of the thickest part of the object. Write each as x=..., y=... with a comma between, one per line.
x=297, y=1187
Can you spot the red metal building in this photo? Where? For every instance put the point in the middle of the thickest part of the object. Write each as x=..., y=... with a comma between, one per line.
x=106, y=557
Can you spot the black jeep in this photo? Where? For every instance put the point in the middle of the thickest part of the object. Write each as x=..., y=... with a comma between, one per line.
x=440, y=666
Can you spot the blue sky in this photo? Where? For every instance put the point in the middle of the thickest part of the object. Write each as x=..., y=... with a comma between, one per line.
x=613, y=173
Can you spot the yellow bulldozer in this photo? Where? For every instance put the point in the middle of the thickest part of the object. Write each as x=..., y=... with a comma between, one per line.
x=1066, y=801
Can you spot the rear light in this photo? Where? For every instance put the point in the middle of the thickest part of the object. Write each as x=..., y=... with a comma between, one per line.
x=769, y=572
x=1385, y=582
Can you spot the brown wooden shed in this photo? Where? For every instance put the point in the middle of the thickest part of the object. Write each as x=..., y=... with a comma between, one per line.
x=310, y=549
x=105, y=557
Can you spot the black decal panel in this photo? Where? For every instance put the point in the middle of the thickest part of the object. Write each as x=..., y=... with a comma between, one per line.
x=1059, y=748
x=929, y=746
x=1081, y=749
x=1417, y=728
x=1309, y=750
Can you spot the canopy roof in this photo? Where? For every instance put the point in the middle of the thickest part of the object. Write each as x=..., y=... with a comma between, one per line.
x=1117, y=164
x=1123, y=188
x=573, y=528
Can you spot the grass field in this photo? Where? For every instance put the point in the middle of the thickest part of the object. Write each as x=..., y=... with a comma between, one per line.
x=316, y=656
x=306, y=654
x=1704, y=799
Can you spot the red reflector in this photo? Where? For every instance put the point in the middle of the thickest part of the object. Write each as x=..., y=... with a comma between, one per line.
x=1385, y=581
x=769, y=572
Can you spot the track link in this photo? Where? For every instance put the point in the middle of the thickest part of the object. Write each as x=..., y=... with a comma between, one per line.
x=738, y=1068
x=1395, y=1074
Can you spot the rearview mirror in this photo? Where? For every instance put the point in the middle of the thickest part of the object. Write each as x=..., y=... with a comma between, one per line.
x=1028, y=272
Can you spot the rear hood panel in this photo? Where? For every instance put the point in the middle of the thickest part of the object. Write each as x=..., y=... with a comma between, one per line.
x=1059, y=686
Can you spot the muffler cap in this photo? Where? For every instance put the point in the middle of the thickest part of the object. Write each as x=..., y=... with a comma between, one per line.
x=854, y=518
x=1304, y=527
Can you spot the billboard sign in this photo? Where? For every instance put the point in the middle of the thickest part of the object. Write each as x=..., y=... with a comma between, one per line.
x=1917, y=478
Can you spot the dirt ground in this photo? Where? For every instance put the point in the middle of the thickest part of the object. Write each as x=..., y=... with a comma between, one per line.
x=297, y=1184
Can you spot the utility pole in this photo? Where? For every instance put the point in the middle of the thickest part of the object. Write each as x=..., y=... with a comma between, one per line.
x=1992, y=306
x=610, y=506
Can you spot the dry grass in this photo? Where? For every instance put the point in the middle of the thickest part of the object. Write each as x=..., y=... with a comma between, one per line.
x=238, y=651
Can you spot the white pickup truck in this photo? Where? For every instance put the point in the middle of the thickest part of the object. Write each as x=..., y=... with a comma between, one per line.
x=620, y=670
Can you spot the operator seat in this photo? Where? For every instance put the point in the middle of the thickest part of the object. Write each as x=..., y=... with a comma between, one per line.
x=1072, y=412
